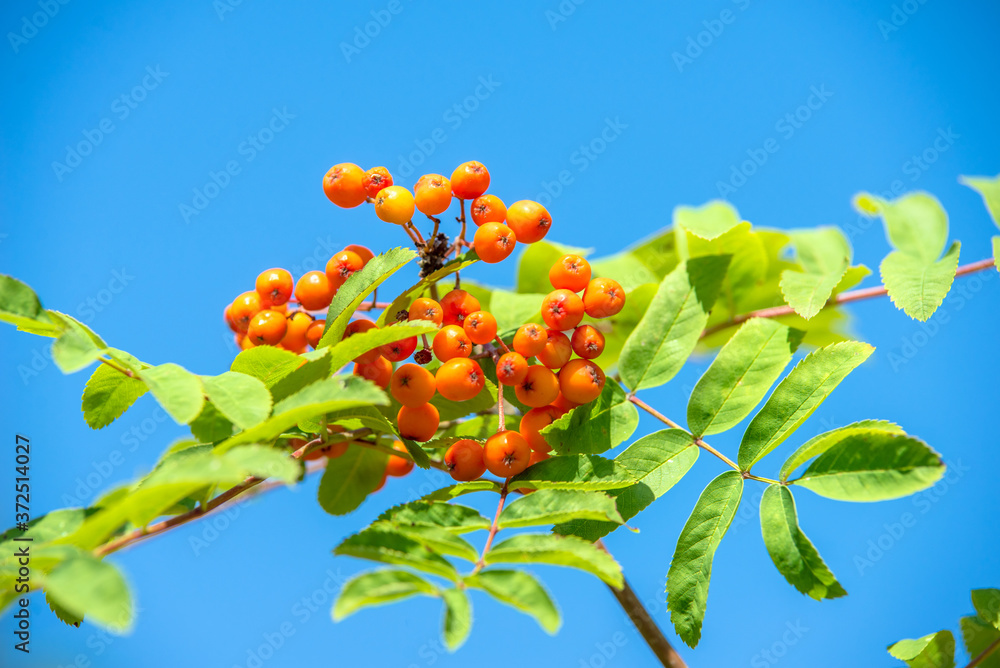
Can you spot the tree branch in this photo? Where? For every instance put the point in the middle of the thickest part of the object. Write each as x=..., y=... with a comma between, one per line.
x=494, y=527
x=984, y=654
x=670, y=423
x=842, y=298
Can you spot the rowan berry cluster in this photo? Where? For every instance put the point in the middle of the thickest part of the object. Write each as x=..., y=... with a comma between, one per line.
x=549, y=366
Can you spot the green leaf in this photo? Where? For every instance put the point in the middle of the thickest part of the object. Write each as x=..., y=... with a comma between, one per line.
x=807, y=294
x=915, y=224
x=996, y=252
x=658, y=252
x=88, y=587
x=404, y=300
x=519, y=590
x=936, y=650
x=825, y=256
x=343, y=352
x=709, y=220
x=873, y=466
x=357, y=287
x=438, y=539
x=211, y=426
x=391, y=547
x=552, y=506
x=626, y=268
x=748, y=264
x=266, y=363
x=987, y=605
x=461, y=489
x=450, y=516
x=797, y=396
x=19, y=305
x=791, y=551
x=618, y=328
x=179, y=391
x=457, y=617
x=741, y=374
x=657, y=461
x=350, y=478
x=989, y=189
x=77, y=347
x=315, y=367
x=512, y=309
x=669, y=331
x=108, y=394
x=587, y=472
x=916, y=286
x=604, y=423
x=559, y=551
x=817, y=445
x=241, y=398
x=64, y=615
x=48, y=527
x=691, y=568
x=323, y=396
x=978, y=636
x=534, y=263
x=378, y=588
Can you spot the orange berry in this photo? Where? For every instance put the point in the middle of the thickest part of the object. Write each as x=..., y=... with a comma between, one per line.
x=450, y=342
x=340, y=267
x=480, y=326
x=470, y=180
x=357, y=327
x=244, y=342
x=267, y=328
x=562, y=310
x=460, y=379
x=394, y=204
x=412, y=385
x=563, y=405
x=418, y=423
x=315, y=332
x=374, y=180
x=511, y=368
x=344, y=185
x=587, y=341
x=456, y=305
x=244, y=307
x=581, y=381
x=274, y=287
x=529, y=220
x=398, y=466
x=570, y=272
x=557, y=350
x=426, y=309
x=331, y=451
x=397, y=351
x=537, y=456
x=313, y=291
x=432, y=194
x=295, y=336
x=539, y=388
x=464, y=460
x=529, y=340
x=532, y=424
x=603, y=298
x=494, y=242
x=363, y=252
x=228, y=316
x=506, y=454
x=488, y=209
x=378, y=372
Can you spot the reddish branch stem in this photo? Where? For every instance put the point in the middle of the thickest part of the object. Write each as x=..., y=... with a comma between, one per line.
x=842, y=298
x=494, y=527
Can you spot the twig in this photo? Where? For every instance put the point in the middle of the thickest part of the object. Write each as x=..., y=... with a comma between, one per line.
x=984, y=654
x=842, y=298
x=114, y=365
x=494, y=527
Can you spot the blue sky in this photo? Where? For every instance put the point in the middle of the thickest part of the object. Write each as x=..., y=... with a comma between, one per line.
x=145, y=106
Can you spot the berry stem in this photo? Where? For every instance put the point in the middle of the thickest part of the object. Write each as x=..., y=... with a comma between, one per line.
x=413, y=237
x=502, y=344
x=413, y=228
x=501, y=418
x=114, y=365
x=493, y=528
x=437, y=225
x=842, y=298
